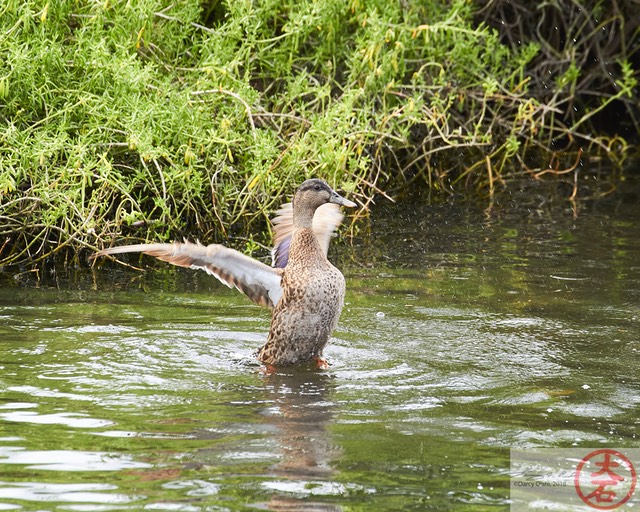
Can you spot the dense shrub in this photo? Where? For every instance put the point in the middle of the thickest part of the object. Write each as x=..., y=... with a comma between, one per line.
x=196, y=119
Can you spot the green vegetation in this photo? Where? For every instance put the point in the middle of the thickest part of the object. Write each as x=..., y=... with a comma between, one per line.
x=198, y=118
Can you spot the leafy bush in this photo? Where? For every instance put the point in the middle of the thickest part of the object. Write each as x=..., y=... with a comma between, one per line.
x=198, y=118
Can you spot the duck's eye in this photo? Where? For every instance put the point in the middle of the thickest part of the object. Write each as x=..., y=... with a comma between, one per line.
x=316, y=188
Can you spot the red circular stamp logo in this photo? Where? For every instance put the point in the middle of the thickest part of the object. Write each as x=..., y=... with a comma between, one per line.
x=605, y=479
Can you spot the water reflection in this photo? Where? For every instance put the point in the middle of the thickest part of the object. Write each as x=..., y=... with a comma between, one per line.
x=81, y=493
x=67, y=460
x=74, y=420
x=302, y=407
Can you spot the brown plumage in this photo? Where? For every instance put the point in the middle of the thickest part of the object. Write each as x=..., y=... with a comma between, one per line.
x=306, y=295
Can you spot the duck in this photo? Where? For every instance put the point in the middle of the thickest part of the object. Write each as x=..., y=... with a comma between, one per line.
x=302, y=287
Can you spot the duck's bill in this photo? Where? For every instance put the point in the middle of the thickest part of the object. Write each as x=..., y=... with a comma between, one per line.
x=338, y=199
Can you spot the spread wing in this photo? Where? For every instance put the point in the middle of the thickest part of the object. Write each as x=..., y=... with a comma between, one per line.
x=326, y=220
x=256, y=280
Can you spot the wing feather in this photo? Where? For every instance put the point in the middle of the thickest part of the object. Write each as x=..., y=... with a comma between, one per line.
x=326, y=220
x=256, y=280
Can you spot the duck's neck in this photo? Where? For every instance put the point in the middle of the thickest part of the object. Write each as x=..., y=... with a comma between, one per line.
x=305, y=249
x=303, y=217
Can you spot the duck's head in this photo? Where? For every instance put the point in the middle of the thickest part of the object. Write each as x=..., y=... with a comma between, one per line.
x=315, y=192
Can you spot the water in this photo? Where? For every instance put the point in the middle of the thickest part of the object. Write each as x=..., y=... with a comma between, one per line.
x=465, y=334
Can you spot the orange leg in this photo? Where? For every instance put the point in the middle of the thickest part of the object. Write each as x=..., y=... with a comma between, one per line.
x=321, y=362
x=268, y=369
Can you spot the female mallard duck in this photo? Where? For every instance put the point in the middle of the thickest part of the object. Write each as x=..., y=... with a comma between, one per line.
x=304, y=289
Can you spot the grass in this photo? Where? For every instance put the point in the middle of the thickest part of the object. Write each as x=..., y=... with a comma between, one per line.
x=156, y=120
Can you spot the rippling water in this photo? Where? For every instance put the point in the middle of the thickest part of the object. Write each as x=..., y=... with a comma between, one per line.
x=464, y=335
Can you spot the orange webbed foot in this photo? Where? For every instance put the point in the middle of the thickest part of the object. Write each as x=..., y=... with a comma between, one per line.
x=321, y=363
x=268, y=369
